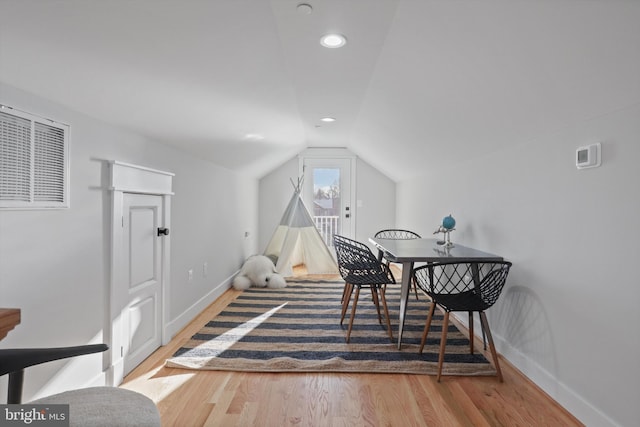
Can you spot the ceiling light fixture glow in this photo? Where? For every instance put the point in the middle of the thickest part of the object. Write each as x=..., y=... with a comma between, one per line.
x=333, y=41
x=254, y=137
x=328, y=119
x=304, y=9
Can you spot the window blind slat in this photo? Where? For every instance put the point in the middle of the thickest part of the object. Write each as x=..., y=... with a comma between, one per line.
x=33, y=162
x=15, y=158
x=49, y=155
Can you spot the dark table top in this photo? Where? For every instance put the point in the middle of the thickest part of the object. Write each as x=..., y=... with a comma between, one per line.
x=427, y=250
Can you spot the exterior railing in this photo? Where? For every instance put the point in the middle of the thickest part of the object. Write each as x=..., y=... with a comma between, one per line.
x=327, y=226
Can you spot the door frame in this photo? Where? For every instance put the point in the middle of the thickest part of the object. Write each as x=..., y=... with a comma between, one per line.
x=336, y=153
x=129, y=178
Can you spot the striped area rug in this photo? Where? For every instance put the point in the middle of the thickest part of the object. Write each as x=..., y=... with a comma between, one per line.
x=297, y=329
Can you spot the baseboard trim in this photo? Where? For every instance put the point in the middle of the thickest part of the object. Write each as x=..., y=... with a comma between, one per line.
x=177, y=324
x=575, y=404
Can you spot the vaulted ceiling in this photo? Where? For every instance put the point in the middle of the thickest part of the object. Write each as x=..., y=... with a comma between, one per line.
x=244, y=83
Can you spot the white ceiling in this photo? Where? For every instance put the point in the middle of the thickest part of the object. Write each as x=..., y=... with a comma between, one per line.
x=419, y=84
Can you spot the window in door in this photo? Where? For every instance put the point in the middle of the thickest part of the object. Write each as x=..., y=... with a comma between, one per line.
x=327, y=192
x=326, y=202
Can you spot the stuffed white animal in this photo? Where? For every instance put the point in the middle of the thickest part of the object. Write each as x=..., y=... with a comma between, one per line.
x=258, y=271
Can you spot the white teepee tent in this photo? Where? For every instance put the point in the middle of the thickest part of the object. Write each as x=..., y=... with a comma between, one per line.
x=297, y=241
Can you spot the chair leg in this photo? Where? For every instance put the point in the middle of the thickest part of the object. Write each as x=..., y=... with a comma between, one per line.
x=353, y=312
x=374, y=297
x=443, y=343
x=471, y=332
x=345, y=300
x=386, y=314
x=415, y=288
x=492, y=347
x=344, y=292
x=427, y=325
x=484, y=336
x=14, y=392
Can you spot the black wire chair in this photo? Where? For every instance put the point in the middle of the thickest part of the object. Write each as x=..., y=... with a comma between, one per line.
x=471, y=287
x=360, y=268
x=397, y=234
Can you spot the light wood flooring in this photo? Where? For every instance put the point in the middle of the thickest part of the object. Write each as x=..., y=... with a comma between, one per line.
x=216, y=398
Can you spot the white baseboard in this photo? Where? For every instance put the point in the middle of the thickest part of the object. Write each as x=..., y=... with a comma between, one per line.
x=98, y=380
x=560, y=392
x=176, y=325
x=584, y=411
x=115, y=372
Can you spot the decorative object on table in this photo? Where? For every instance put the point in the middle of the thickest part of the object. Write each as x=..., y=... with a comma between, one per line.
x=447, y=226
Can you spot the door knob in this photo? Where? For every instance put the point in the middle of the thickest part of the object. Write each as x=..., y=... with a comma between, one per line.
x=163, y=231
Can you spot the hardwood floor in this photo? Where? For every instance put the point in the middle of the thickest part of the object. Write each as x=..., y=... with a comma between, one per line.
x=216, y=398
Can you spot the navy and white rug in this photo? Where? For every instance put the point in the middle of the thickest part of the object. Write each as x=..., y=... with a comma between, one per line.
x=297, y=329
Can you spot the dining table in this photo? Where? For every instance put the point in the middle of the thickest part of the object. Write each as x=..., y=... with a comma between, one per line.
x=410, y=251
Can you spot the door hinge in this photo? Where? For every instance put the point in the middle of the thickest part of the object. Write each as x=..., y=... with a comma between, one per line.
x=121, y=351
x=123, y=221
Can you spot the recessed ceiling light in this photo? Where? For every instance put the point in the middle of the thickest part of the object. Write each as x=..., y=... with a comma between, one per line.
x=304, y=9
x=333, y=41
x=253, y=137
x=328, y=119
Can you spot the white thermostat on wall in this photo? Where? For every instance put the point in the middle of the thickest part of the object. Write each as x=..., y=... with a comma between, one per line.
x=588, y=156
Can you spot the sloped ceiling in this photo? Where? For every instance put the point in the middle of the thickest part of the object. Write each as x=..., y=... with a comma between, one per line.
x=244, y=83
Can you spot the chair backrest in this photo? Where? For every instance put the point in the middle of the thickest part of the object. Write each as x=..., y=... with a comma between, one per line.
x=397, y=234
x=358, y=265
x=14, y=361
x=463, y=286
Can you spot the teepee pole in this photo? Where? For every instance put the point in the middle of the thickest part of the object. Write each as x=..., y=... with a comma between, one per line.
x=298, y=188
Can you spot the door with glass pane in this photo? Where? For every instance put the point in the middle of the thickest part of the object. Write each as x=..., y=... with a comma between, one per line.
x=327, y=194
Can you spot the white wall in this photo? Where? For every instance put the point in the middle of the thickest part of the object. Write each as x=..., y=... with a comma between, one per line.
x=569, y=315
x=375, y=192
x=275, y=191
x=376, y=202
x=54, y=265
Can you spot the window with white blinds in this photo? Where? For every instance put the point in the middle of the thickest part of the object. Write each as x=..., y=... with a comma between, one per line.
x=34, y=161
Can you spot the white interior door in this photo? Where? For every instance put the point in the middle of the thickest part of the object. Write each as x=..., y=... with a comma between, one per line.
x=327, y=193
x=140, y=288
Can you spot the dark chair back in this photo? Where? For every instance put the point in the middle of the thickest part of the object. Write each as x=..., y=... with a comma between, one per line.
x=397, y=234
x=469, y=286
x=358, y=265
x=14, y=361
